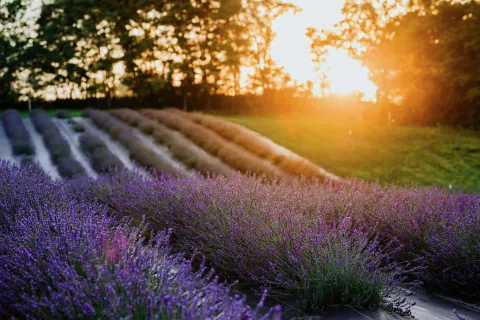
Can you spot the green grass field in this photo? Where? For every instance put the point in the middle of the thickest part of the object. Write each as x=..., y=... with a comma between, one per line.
x=390, y=154
x=52, y=112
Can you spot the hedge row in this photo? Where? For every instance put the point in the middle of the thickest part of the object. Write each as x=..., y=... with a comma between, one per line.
x=125, y=135
x=260, y=146
x=58, y=147
x=232, y=155
x=100, y=157
x=181, y=148
x=17, y=133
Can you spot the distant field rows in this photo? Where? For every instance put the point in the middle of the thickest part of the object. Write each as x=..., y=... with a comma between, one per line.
x=165, y=140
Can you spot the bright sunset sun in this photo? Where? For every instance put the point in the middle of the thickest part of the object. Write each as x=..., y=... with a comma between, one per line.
x=291, y=49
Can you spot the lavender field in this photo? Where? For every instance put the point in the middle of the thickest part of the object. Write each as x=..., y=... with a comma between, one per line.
x=160, y=214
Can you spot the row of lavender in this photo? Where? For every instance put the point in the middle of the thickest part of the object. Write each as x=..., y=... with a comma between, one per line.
x=64, y=257
x=18, y=135
x=60, y=151
x=324, y=243
x=237, y=146
x=429, y=234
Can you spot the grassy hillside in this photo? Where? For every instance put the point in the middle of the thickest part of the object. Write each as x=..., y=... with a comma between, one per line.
x=391, y=154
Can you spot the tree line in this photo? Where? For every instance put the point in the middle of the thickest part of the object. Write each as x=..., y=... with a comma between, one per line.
x=422, y=54
x=91, y=49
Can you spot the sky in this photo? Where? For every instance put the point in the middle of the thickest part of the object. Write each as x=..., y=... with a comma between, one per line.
x=291, y=48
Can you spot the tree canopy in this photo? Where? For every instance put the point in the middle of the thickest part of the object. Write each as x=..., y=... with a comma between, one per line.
x=422, y=56
x=86, y=48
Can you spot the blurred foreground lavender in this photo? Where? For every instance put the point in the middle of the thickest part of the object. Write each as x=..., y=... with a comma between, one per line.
x=62, y=257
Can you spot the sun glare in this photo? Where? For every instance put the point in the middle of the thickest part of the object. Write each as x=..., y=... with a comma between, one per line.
x=291, y=49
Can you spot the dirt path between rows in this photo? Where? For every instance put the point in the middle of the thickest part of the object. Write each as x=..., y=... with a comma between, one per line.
x=42, y=156
x=114, y=146
x=162, y=151
x=72, y=139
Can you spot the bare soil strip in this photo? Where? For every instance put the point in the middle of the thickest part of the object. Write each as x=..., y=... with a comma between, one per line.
x=5, y=147
x=72, y=138
x=161, y=151
x=42, y=156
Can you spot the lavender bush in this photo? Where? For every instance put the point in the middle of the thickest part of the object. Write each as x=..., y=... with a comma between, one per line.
x=256, y=233
x=98, y=153
x=260, y=146
x=17, y=133
x=327, y=243
x=181, y=148
x=237, y=158
x=56, y=144
x=65, y=258
x=124, y=134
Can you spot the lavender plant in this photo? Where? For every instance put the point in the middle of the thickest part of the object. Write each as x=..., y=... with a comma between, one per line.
x=65, y=258
x=101, y=158
x=124, y=134
x=247, y=233
x=311, y=239
x=215, y=145
x=56, y=144
x=17, y=133
x=181, y=148
x=260, y=146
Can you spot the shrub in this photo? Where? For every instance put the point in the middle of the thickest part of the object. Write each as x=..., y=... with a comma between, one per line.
x=243, y=225
x=258, y=233
x=68, y=167
x=230, y=154
x=56, y=144
x=62, y=114
x=261, y=146
x=78, y=128
x=181, y=148
x=98, y=153
x=125, y=135
x=65, y=258
x=17, y=133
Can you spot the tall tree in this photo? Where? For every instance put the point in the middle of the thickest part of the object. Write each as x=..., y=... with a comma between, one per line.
x=421, y=55
x=14, y=38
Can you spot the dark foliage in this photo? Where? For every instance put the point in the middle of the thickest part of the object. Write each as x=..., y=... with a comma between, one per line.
x=62, y=114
